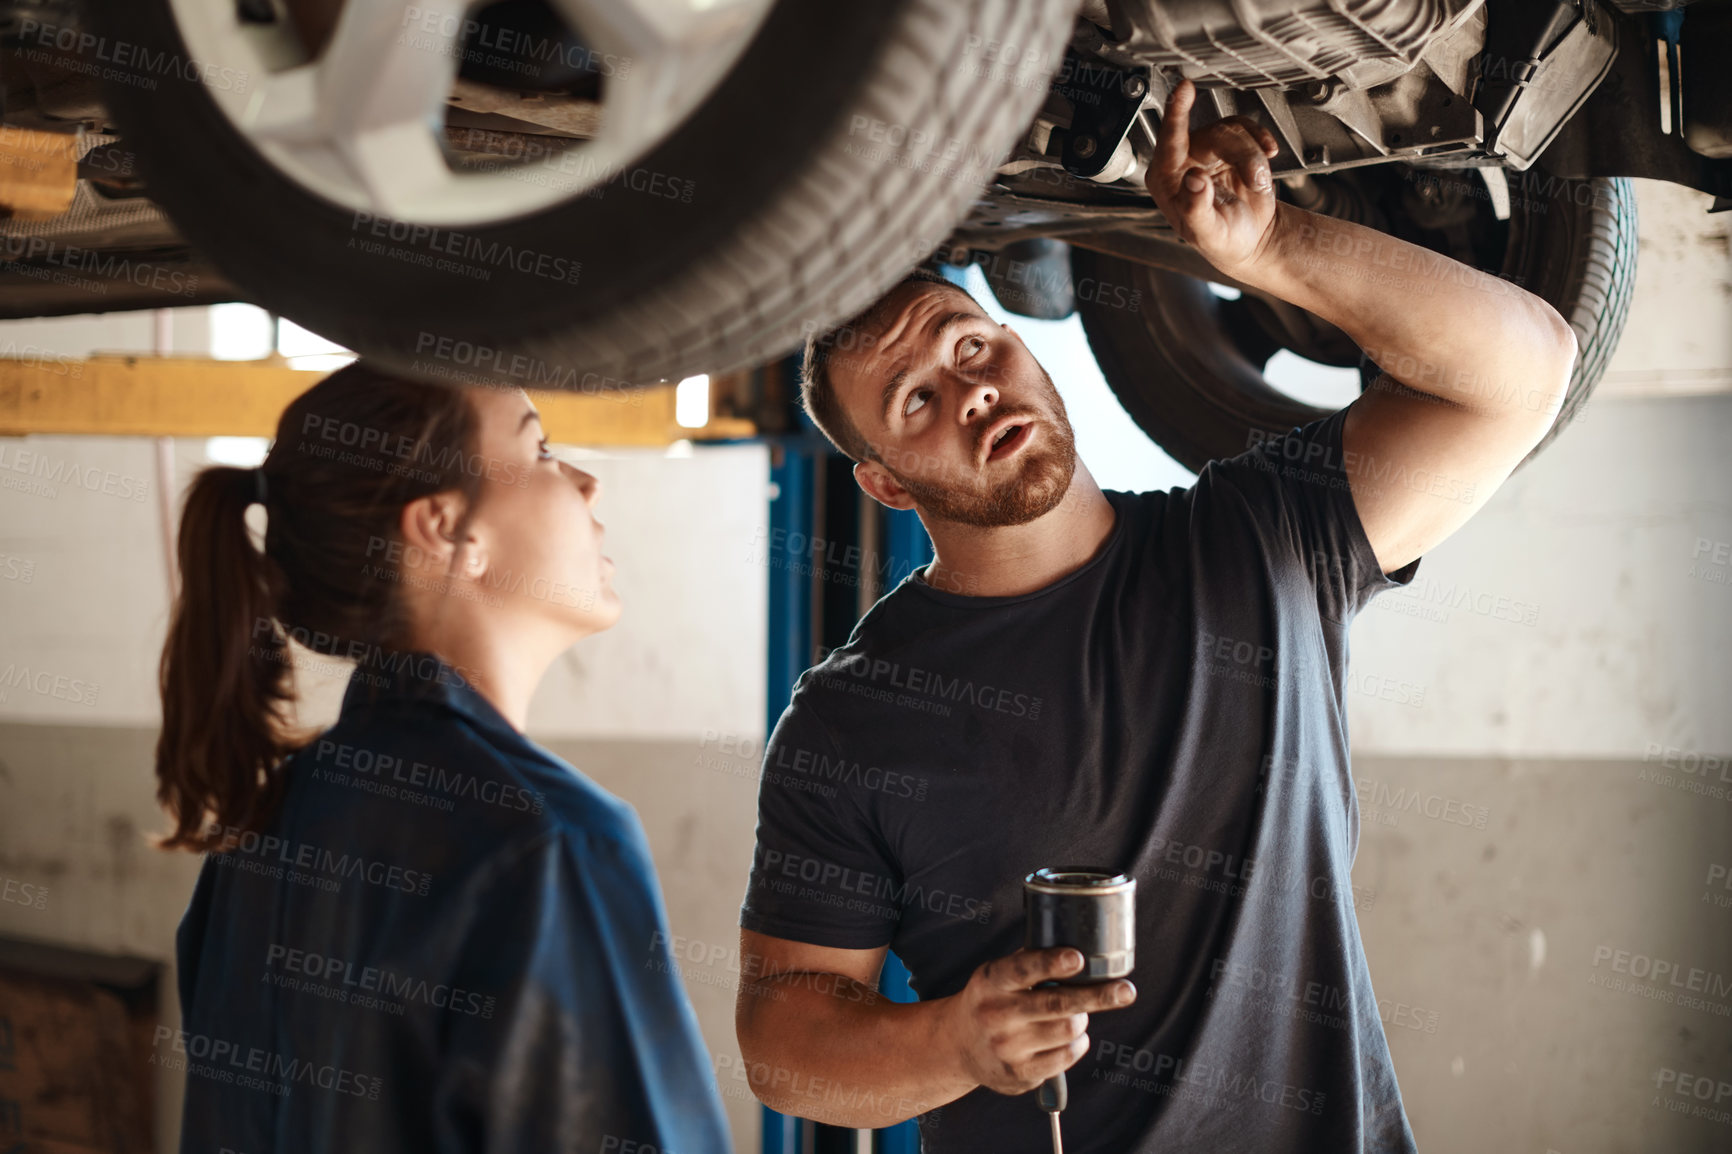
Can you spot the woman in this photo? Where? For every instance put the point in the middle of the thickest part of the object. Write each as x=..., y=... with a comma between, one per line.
x=416, y=931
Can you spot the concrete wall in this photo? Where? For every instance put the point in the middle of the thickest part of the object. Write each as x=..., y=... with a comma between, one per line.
x=1595, y=744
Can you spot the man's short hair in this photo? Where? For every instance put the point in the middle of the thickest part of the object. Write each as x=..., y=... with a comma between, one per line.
x=849, y=339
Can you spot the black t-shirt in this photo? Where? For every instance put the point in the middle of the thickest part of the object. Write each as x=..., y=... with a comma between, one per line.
x=1173, y=710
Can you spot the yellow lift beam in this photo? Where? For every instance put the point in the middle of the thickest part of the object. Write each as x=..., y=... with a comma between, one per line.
x=38, y=172
x=147, y=396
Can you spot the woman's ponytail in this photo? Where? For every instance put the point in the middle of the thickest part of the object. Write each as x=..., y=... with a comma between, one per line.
x=349, y=454
x=224, y=676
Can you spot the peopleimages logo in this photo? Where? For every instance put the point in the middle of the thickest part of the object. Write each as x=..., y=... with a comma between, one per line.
x=57, y=471
x=457, y=359
x=839, y=769
x=361, y=762
x=433, y=242
x=307, y=864
x=23, y=893
x=59, y=686
x=37, y=357
x=370, y=439
x=257, y=1068
x=1678, y=976
x=1380, y=796
x=1119, y=1064
x=840, y=880
x=931, y=683
x=106, y=266
x=323, y=974
x=120, y=59
x=505, y=47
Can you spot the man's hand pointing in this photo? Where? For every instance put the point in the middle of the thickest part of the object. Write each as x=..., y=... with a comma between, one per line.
x=1215, y=187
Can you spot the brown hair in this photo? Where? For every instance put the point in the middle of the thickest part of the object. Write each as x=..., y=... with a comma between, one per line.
x=818, y=392
x=349, y=453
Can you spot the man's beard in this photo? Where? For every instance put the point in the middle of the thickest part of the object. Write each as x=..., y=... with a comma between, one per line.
x=1037, y=488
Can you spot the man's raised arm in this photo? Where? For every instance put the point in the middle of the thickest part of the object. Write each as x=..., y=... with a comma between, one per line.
x=1475, y=368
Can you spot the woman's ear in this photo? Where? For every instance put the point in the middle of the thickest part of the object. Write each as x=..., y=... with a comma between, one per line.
x=429, y=529
x=879, y=485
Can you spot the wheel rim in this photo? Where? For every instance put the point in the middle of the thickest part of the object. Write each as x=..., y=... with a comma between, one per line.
x=362, y=122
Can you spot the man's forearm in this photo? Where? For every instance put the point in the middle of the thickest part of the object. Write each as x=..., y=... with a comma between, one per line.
x=1431, y=322
x=826, y=1047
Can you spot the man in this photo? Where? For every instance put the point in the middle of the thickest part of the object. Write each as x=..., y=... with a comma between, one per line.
x=1147, y=683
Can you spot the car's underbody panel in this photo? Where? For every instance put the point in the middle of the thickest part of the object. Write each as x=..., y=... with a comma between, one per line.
x=1430, y=84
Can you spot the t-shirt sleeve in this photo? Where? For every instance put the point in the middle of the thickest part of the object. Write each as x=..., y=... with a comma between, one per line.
x=820, y=873
x=569, y=1029
x=1296, y=488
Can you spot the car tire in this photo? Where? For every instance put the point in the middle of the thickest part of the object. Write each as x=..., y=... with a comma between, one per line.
x=840, y=151
x=1179, y=362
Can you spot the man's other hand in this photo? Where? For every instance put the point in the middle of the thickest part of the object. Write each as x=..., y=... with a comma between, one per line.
x=1012, y=1037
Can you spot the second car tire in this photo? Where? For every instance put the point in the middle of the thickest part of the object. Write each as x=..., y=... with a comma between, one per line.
x=1176, y=366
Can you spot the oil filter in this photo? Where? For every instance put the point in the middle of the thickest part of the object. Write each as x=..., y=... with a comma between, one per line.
x=1092, y=911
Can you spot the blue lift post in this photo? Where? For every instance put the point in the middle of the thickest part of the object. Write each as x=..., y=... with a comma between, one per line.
x=794, y=467
x=906, y=548
x=793, y=475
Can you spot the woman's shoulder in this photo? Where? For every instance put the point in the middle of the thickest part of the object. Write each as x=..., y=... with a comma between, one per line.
x=438, y=766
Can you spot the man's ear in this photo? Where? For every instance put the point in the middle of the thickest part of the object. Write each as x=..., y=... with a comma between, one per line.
x=429, y=527
x=879, y=485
